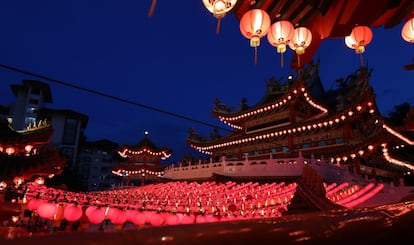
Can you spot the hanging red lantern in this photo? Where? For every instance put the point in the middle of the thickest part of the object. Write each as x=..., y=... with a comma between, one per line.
x=279, y=35
x=301, y=39
x=157, y=219
x=47, y=210
x=407, y=31
x=72, y=212
x=255, y=24
x=96, y=216
x=360, y=37
x=34, y=204
x=219, y=8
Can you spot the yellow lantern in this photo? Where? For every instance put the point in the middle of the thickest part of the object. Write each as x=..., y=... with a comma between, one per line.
x=219, y=8
x=407, y=31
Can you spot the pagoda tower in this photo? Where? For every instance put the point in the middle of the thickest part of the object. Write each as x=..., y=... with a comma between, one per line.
x=142, y=161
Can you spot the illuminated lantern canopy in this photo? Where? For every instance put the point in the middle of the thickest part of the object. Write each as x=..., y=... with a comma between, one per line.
x=279, y=35
x=219, y=8
x=255, y=24
x=301, y=39
x=407, y=32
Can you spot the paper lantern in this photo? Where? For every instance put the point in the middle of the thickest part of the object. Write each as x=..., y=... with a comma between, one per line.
x=407, y=31
x=301, y=39
x=34, y=204
x=360, y=37
x=135, y=217
x=118, y=217
x=279, y=35
x=157, y=219
x=219, y=8
x=72, y=212
x=47, y=210
x=96, y=216
x=255, y=24
x=171, y=219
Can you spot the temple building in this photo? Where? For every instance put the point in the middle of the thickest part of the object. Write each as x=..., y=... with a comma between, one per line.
x=142, y=162
x=25, y=155
x=297, y=123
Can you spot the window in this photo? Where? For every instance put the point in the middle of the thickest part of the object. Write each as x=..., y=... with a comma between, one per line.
x=70, y=131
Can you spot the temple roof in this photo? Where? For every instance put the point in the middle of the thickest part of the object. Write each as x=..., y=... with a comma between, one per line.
x=39, y=134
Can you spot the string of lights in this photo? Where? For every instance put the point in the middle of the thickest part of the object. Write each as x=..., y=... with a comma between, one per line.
x=109, y=96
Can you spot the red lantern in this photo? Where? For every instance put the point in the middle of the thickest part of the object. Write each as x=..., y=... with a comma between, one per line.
x=119, y=218
x=279, y=35
x=72, y=213
x=157, y=219
x=360, y=37
x=171, y=219
x=407, y=31
x=96, y=216
x=255, y=24
x=34, y=204
x=219, y=8
x=135, y=217
x=47, y=210
x=301, y=39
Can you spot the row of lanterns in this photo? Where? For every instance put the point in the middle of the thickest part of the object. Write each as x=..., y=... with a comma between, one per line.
x=256, y=23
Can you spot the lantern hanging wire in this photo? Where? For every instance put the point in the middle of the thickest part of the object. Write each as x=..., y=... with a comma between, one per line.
x=152, y=8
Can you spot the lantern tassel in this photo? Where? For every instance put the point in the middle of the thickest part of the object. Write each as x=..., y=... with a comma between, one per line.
x=255, y=55
x=152, y=8
x=298, y=62
x=361, y=59
x=281, y=60
x=218, y=26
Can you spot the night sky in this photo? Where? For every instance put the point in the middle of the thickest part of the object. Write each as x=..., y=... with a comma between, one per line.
x=173, y=61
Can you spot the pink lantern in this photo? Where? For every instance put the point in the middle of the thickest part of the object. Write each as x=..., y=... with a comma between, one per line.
x=188, y=219
x=135, y=217
x=72, y=212
x=33, y=204
x=157, y=219
x=219, y=8
x=89, y=210
x=301, y=39
x=171, y=219
x=47, y=210
x=279, y=35
x=407, y=31
x=255, y=24
x=96, y=216
x=116, y=216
